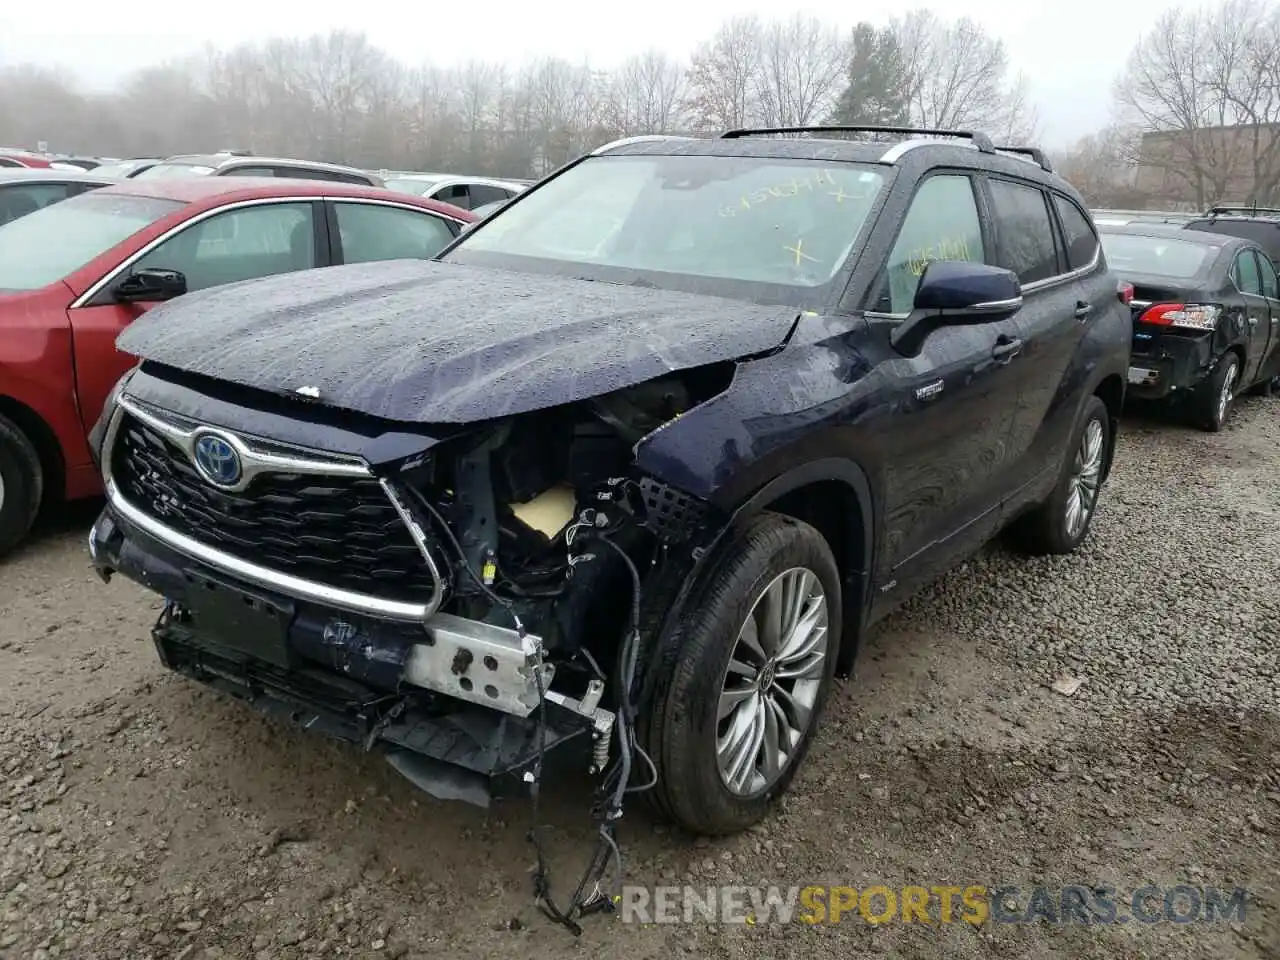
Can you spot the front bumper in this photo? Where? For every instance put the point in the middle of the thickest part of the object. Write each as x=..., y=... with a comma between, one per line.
x=357, y=679
x=1167, y=364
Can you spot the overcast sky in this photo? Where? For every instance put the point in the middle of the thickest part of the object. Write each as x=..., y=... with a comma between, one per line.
x=1070, y=51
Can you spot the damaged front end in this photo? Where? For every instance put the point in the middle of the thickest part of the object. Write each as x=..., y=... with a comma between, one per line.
x=464, y=606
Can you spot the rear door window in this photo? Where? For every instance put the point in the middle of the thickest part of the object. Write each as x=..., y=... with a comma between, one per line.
x=1024, y=232
x=1268, y=272
x=373, y=231
x=459, y=195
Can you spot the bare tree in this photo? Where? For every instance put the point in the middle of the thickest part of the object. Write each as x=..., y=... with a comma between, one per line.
x=724, y=76
x=802, y=63
x=336, y=96
x=1204, y=89
x=1103, y=167
x=957, y=77
x=646, y=94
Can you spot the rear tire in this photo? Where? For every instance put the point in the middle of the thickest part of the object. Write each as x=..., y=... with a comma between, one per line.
x=1061, y=523
x=21, y=485
x=714, y=693
x=1216, y=395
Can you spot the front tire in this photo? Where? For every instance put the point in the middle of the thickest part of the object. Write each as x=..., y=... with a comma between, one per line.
x=1061, y=523
x=736, y=706
x=1216, y=395
x=21, y=485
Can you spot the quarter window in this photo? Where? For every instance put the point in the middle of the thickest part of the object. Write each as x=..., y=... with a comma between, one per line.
x=1247, y=275
x=484, y=193
x=243, y=244
x=1024, y=232
x=941, y=224
x=375, y=232
x=1082, y=242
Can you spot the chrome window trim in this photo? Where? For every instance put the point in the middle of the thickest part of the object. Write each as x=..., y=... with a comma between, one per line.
x=297, y=587
x=133, y=258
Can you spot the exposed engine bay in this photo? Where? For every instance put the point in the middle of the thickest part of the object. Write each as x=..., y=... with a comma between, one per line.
x=542, y=542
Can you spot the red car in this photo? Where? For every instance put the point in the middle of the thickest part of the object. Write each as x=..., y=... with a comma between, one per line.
x=74, y=274
x=23, y=158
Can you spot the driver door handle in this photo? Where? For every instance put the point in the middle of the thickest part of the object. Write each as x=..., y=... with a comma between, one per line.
x=1006, y=348
x=1083, y=309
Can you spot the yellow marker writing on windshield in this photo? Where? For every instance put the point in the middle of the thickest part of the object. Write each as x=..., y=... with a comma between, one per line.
x=798, y=250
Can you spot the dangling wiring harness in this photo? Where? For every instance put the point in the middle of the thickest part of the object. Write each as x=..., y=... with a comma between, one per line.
x=596, y=890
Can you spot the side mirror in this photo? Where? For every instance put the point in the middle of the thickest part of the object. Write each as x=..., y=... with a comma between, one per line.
x=956, y=293
x=150, y=285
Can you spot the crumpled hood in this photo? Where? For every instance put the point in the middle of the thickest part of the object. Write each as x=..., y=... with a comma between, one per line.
x=436, y=342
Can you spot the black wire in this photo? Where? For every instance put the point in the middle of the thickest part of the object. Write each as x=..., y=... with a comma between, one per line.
x=466, y=564
x=623, y=724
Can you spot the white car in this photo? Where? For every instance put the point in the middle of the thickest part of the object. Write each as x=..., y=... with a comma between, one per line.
x=465, y=192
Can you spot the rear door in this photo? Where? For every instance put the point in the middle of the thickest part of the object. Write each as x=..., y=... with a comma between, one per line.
x=365, y=231
x=240, y=243
x=1058, y=302
x=1247, y=274
x=947, y=409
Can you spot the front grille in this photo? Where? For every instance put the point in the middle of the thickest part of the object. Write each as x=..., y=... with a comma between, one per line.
x=335, y=530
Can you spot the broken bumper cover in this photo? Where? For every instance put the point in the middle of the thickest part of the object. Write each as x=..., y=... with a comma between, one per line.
x=1179, y=364
x=360, y=680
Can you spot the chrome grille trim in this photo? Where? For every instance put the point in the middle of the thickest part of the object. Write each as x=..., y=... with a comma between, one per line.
x=296, y=587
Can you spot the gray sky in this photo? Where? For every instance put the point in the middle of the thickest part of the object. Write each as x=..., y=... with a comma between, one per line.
x=1070, y=51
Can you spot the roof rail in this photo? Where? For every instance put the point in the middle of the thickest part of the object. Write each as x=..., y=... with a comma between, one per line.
x=1249, y=209
x=980, y=140
x=641, y=138
x=1035, y=153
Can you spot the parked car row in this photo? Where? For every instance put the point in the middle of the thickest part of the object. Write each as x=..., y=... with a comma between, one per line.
x=1206, y=304
x=466, y=193
x=636, y=461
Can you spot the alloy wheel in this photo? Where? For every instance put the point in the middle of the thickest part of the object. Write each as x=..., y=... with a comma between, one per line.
x=1228, y=389
x=1086, y=475
x=771, y=685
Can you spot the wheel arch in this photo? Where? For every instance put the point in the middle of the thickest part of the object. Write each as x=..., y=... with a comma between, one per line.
x=1110, y=390
x=833, y=495
x=44, y=440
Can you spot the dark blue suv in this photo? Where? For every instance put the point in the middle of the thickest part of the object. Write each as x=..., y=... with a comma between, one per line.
x=636, y=462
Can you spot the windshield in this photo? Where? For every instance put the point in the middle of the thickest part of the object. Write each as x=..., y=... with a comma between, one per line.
x=418, y=188
x=114, y=169
x=169, y=171
x=1161, y=256
x=43, y=247
x=728, y=222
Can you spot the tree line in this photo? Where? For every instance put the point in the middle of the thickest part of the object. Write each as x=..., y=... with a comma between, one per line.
x=1196, y=114
x=338, y=97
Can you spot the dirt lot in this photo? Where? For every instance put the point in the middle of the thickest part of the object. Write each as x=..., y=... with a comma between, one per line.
x=143, y=817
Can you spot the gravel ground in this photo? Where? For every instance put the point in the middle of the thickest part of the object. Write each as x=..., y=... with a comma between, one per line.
x=144, y=817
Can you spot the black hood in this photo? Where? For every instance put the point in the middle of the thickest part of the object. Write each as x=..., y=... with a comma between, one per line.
x=436, y=342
